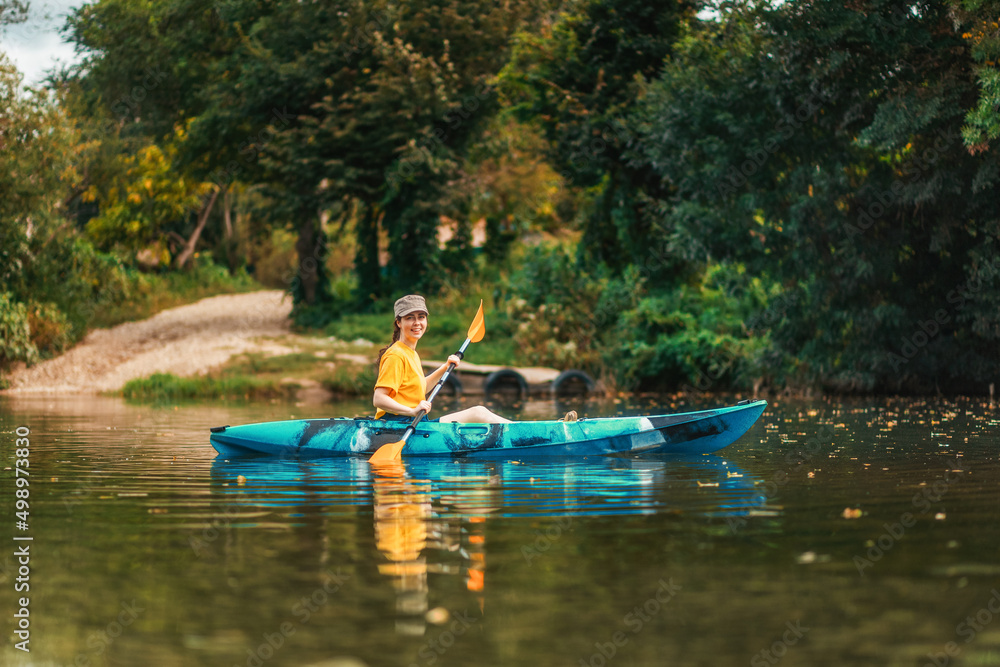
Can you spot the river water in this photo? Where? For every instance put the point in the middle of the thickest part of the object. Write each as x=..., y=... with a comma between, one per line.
x=861, y=532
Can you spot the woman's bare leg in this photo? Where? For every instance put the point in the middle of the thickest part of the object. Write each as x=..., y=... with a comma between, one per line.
x=475, y=415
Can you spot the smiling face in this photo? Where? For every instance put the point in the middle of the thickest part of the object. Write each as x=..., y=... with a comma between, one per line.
x=412, y=326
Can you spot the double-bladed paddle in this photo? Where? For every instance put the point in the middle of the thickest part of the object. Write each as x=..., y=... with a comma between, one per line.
x=393, y=450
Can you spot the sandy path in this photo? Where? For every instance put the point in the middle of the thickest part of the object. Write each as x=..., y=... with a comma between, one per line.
x=184, y=341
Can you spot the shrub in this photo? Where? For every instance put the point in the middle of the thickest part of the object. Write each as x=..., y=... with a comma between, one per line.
x=564, y=316
x=50, y=329
x=15, y=333
x=275, y=259
x=633, y=334
x=351, y=380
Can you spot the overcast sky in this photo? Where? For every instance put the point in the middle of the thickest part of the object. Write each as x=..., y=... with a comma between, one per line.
x=36, y=46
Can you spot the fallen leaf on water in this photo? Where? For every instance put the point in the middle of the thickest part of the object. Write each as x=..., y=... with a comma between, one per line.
x=437, y=616
x=849, y=513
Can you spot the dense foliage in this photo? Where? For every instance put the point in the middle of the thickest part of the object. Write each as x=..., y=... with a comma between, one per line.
x=816, y=147
x=835, y=167
x=52, y=280
x=671, y=195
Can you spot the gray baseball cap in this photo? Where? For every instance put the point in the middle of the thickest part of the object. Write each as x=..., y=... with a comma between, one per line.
x=408, y=304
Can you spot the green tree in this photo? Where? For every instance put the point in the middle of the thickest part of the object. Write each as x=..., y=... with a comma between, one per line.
x=578, y=77
x=133, y=96
x=353, y=107
x=51, y=279
x=982, y=35
x=13, y=11
x=821, y=145
x=138, y=209
x=395, y=114
x=35, y=145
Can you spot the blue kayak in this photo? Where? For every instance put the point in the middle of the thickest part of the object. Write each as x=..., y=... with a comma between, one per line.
x=701, y=432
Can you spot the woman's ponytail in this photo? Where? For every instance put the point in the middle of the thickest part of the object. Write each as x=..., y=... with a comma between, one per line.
x=395, y=337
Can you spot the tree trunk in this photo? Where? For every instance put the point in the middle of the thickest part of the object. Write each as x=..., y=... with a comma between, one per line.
x=227, y=221
x=312, y=288
x=188, y=250
x=227, y=212
x=306, y=274
x=366, y=264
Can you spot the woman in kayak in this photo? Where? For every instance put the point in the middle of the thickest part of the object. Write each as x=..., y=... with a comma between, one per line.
x=401, y=387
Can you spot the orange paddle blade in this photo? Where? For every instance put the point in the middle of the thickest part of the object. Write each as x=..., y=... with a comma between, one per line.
x=478, y=328
x=389, y=474
x=386, y=453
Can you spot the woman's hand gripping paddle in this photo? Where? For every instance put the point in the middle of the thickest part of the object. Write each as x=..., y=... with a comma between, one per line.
x=394, y=450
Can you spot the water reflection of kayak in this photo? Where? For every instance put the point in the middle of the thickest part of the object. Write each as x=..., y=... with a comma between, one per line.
x=430, y=515
x=705, y=485
x=701, y=432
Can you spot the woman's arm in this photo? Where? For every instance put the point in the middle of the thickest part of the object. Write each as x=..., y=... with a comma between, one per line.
x=383, y=401
x=433, y=378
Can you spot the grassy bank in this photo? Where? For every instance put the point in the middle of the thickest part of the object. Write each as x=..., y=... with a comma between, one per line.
x=167, y=387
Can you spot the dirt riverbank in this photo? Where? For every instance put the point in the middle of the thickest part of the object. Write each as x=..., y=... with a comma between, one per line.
x=187, y=340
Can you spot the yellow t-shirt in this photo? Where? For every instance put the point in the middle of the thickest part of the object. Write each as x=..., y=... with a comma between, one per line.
x=400, y=372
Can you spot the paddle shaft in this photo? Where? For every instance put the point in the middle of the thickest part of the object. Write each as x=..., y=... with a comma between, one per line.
x=434, y=392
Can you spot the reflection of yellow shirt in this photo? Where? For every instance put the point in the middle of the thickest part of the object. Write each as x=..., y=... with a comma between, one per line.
x=400, y=372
